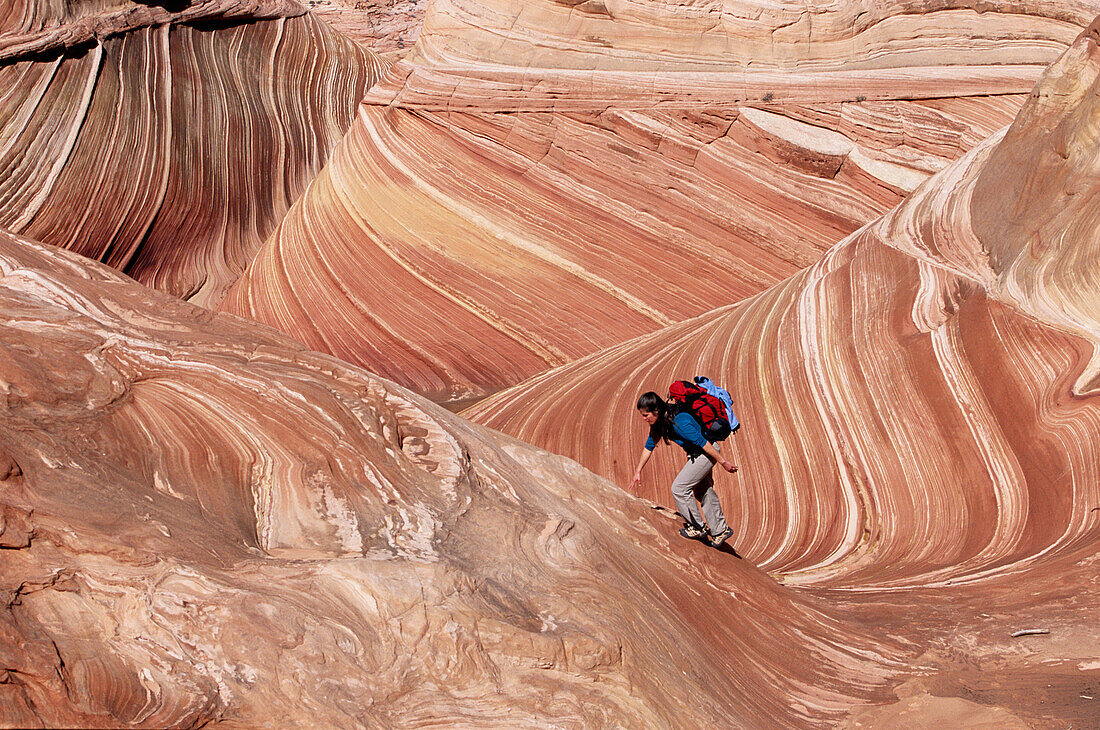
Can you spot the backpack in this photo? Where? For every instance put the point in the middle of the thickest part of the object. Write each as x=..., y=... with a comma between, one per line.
x=721, y=394
x=709, y=410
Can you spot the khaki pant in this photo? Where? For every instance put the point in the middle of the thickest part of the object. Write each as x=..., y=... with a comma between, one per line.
x=695, y=483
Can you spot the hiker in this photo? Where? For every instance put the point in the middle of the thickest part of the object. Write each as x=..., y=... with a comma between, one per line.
x=695, y=481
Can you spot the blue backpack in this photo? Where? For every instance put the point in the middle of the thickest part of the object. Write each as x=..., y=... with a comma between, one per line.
x=721, y=394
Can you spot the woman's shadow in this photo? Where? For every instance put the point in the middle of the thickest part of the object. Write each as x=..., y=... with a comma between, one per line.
x=729, y=550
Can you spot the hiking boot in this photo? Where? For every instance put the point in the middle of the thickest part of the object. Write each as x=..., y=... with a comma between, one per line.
x=692, y=532
x=719, y=540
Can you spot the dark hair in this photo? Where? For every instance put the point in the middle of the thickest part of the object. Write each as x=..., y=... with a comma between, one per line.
x=662, y=427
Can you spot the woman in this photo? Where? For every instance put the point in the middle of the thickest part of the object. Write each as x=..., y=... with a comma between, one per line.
x=695, y=481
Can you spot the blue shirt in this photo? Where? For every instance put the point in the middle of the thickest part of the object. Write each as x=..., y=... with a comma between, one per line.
x=686, y=433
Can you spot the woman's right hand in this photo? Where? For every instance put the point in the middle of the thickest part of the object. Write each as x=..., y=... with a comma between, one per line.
x=636, y=481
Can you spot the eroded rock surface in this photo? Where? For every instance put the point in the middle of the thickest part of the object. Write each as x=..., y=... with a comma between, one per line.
x=919, y=415
x=29, y=27
x=918, y=405
x=171, y=150
x=388, y=27
x=545, y=178
x=568, y=55
x=203, y=522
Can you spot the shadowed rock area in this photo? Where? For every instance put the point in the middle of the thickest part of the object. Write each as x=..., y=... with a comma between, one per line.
x=29, y=27
x=169, y=145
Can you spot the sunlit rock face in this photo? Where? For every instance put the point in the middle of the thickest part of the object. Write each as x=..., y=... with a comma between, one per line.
x=388, y=27
x=1035, y=204
x=919, y=406
x=535, y=182
x=171, y=151
x=570, y=55
x=204, y=522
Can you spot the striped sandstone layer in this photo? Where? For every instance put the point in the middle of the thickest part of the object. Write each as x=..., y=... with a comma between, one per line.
x=920, y=407
x=564, y=55
x=29, y=27
x=171, y=150
x=535, y=182
x=203, y=523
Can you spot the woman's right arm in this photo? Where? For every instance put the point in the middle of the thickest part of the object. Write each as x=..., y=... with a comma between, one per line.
x=646, y=453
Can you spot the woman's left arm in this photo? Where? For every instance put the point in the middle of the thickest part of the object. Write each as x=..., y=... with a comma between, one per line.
x=722, y=461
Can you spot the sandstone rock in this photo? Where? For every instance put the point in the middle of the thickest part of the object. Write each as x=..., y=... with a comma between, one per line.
x=547, y=180
x=1034, y=203
x=202, y=522
x=917, y=406
x=226, y=527
x=387, y=27
x=9, y=468
x=644, y=53
x=30, y=27
x=170, y=151
x=818, y=151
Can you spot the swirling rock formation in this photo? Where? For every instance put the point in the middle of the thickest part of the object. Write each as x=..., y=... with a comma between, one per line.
x=169, y=151
x=920, y=406
x=29, y=27
x=544, y=179
x=203, y=522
